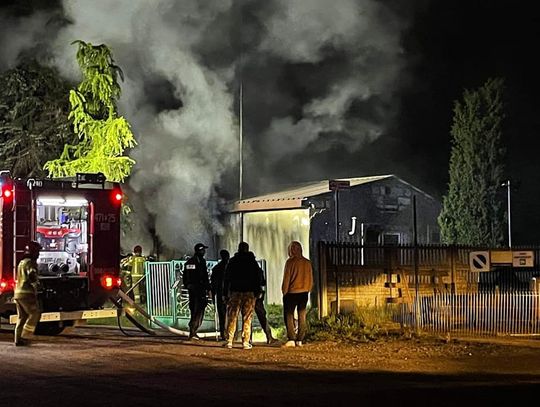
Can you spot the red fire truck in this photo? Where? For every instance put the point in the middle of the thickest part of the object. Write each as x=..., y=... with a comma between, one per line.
x=77, y=222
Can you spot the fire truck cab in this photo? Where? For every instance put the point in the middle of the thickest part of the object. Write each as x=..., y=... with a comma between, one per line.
x=77, y=222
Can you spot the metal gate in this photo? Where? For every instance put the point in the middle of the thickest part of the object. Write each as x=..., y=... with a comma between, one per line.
x=167, y=300
x=160, y=291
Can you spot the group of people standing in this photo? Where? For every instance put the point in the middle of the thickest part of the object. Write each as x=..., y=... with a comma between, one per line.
x=238, y=284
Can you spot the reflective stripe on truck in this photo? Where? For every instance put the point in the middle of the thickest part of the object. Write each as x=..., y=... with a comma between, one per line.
x=72, y=315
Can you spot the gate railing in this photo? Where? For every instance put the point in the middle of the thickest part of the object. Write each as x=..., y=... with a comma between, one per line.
x=159, y=291
x=168, y=300
x=481, y=313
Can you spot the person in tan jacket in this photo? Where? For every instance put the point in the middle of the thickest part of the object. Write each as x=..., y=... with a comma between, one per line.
x=297, y=283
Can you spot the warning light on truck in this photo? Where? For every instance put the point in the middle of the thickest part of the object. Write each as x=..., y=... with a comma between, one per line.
x=117, y=196
x=110, y=282
x=7, y=193
x=6, y=285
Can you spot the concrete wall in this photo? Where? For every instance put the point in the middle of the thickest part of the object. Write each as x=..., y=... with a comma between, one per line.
x=364, y=286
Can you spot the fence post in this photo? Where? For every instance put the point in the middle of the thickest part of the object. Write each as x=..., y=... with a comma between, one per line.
x=173, y=293
x=453, y=255
x=337, y=262
x=323, y=254
x=336, y=274
x=415, y=263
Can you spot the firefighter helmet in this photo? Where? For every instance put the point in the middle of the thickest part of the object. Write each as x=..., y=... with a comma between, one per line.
x=32, y=249
x=137, y=249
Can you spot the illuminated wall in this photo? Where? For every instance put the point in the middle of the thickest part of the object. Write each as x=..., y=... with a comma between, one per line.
x=269, y=234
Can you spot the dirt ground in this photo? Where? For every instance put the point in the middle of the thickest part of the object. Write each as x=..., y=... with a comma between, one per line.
x=100, y=366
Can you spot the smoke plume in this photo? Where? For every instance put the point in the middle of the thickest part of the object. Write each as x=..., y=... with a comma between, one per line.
x=315, y=75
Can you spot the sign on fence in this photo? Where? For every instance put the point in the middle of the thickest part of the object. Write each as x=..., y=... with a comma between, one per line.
x=500, y=256
x=479, y=261
x=523, y=259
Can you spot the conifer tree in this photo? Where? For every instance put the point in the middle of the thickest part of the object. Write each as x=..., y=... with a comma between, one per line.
x=34, y=122
x=103, y=134
x=472, y=211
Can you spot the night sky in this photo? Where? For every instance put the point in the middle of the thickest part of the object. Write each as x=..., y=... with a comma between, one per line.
x=457, y=45
x=441, y=48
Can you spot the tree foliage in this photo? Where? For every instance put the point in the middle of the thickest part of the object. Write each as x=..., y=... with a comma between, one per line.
x=103, y=134
x=472, y=211
x=34, y=123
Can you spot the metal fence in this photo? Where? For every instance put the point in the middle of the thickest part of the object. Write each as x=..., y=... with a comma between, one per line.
x=159, y=291
x=476, y=314
x=168, y=300
x=369, y=255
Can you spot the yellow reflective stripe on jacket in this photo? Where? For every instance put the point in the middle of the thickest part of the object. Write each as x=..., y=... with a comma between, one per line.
x=133, y=266
x=26, y=278
x=137, y=266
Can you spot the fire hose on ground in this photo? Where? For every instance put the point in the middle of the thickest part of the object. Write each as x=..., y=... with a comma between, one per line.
x=124, y=296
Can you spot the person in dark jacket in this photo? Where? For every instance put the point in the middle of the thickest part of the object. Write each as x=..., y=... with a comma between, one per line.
x=198, y=285
x=242, y=285
x=216, y=281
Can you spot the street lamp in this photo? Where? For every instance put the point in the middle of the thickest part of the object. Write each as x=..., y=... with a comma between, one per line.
x=507, y=185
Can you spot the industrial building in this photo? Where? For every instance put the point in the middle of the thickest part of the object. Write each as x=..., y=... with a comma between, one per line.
x=370, y=210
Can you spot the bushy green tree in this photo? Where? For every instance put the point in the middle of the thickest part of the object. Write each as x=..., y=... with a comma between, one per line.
x=34, y=123
x=103, y=134
x=472, y=212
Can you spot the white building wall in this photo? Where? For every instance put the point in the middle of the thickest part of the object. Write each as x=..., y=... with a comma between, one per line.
x=268, y=234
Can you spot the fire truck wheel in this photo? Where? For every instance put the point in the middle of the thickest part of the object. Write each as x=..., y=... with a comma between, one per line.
x=51, y=328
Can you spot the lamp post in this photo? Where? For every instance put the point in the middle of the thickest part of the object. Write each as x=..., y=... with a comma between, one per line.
x=507, y=185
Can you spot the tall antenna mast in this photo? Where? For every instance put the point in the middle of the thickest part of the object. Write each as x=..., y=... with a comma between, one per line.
x=240, y=195
x=241, y=130
x=241, y=164
x=241, y=127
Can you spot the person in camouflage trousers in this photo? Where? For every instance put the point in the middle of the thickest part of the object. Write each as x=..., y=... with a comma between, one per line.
x=242, y=286
x=25, y=296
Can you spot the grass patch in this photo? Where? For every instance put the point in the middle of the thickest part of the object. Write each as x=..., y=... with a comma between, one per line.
x=274, y=313
x=363, y=325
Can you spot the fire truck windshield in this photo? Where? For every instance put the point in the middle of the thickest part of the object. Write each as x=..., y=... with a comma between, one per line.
x=62, y=231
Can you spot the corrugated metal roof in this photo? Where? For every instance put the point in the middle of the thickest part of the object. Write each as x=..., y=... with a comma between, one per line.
x=292, y=198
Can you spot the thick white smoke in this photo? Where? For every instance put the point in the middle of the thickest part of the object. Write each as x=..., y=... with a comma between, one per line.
x=181, y=60
x=304, y=31
x=182, y=152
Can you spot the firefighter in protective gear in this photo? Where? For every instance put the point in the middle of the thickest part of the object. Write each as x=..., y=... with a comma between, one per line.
x=132, y=272
x=28, y=313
